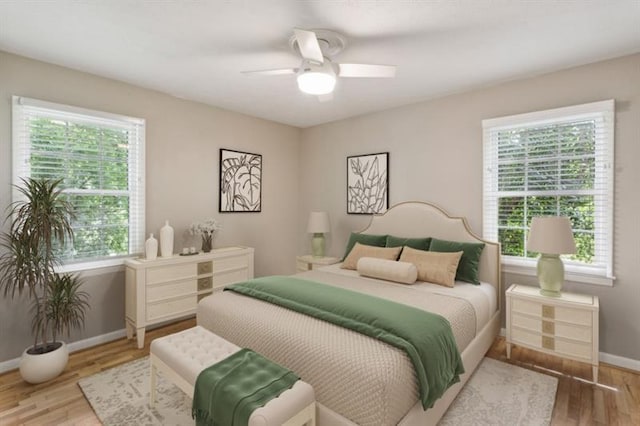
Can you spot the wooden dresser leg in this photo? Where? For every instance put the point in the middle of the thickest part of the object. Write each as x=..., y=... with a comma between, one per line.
x=508, y=350
x=140, y=336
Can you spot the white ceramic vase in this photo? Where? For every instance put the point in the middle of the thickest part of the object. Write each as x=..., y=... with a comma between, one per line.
x=151, y=248
x=40, y=368
x=166, y=240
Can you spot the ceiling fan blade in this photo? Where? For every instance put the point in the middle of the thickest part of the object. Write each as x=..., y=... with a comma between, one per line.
x=308, y=45
x=366, y=70
x=325, y=98
x=281, y=71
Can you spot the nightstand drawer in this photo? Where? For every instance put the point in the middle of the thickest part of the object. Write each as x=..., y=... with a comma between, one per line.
x=526, y=337
x=574, y=316
x=553, y=328
x=302, y=266
x=574, y=349
x=551, y=312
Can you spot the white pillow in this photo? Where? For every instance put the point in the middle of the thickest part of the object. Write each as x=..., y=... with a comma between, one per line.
x=390, y=270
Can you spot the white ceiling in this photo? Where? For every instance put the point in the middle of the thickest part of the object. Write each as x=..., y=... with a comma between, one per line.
x=197, y=49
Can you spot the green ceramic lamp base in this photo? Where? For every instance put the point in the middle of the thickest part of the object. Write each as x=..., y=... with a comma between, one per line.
x=550, y=274
x=317, y=245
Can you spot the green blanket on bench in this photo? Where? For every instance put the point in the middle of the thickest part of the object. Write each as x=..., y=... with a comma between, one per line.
x=425, y=337
x=229, y=391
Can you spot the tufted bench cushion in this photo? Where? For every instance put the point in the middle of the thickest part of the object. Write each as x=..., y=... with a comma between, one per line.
x=182, y=356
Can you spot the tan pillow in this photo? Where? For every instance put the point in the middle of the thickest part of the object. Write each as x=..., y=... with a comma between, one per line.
x=434, y=267
x=361, y=250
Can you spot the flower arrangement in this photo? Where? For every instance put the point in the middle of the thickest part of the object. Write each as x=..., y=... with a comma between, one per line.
x=205, y=229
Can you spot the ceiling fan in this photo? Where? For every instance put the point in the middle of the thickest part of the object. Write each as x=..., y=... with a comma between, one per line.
x=317, y=74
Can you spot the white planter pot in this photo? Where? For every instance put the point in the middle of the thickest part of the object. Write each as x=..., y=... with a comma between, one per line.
x=43, y=367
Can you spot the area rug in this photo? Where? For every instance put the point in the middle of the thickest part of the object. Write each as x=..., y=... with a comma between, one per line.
x=496, y=394
x=503, y=394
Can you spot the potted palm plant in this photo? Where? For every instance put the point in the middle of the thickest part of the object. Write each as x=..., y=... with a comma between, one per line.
x=30, y=251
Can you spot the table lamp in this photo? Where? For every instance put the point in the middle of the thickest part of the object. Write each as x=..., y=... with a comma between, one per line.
x=551, y=236
x=318, y=225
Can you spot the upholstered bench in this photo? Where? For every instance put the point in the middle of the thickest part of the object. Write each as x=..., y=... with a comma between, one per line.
x=182, y=356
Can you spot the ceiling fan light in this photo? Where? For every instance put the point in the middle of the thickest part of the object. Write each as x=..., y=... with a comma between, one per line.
x=316, y=83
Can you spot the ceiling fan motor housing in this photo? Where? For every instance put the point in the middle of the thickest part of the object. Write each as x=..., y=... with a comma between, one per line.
x=331, y=43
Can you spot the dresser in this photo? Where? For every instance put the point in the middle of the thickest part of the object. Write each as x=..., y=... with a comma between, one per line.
x=308, y=262
x=565, y=326
x=166, y=289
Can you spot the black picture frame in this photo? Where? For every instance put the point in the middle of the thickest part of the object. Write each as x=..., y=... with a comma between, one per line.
x=368, y=183
x=240, y=182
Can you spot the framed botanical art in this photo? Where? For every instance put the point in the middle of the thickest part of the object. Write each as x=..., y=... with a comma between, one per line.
x=368, y=183
x=240, y=182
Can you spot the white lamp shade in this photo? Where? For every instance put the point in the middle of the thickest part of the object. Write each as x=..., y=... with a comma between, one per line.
x=318, y=223
x=551, y=235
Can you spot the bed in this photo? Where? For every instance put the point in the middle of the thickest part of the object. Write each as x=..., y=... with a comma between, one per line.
x=357, y=379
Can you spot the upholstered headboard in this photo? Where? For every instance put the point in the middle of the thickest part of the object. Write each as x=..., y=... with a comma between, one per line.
x=420, y=219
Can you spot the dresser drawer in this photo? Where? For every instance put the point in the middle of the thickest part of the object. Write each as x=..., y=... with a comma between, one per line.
x=554, y=328
x=230, y=277
x=160, y=274
x=173, y=308
x=229, y=263
x=158, y=292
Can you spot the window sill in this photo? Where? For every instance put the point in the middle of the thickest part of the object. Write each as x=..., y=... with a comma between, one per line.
x=95, y=267
x=523, y=268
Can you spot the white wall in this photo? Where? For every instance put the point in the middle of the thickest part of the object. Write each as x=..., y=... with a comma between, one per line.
x=182, y=149
x=436, y=155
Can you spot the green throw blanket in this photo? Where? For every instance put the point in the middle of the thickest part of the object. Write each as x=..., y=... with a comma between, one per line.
x=425, y=337
x=228, y=392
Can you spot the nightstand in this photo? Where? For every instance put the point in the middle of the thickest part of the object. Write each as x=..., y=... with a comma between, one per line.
x=308, y=262
x=565, y=326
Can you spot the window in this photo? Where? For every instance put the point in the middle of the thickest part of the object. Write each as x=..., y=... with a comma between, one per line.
x=552, y=163
x=100, y=157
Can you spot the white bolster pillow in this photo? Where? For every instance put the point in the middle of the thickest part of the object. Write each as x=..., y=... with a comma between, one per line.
x=390, y=270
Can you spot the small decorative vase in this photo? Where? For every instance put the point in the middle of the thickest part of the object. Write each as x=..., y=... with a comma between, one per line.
x=207, y=242
x=166, y=240
x=151, y=248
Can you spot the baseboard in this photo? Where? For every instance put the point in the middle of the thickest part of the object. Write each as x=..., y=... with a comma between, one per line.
x=12, y=364
x=618, y=361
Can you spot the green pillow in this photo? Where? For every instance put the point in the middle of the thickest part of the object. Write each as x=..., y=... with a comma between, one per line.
x=415, y=243
x=468, y=266
x=366, y=239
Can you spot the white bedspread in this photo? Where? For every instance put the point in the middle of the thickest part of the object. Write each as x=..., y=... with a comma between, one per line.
x=360, y=378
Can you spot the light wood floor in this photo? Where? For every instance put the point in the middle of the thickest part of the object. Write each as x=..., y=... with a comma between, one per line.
x=614, y=401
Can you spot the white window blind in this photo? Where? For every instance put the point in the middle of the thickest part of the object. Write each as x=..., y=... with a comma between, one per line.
x=552, y=163
x=100, y=158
